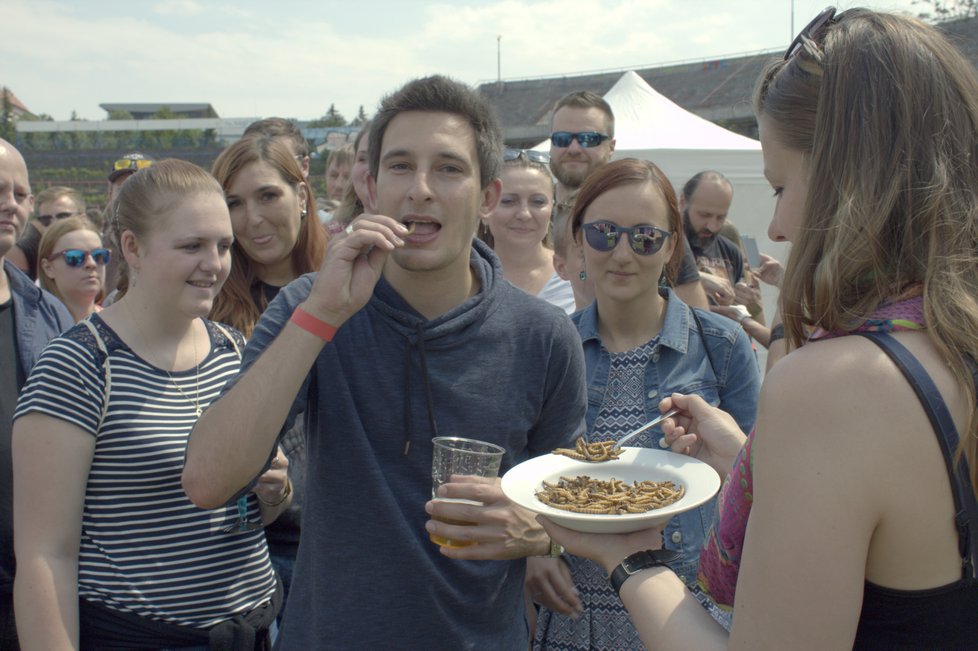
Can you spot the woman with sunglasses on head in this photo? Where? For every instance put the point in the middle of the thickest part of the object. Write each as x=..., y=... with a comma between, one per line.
x=849, y=517
x=518, y=229
x=277, y=238
x=640, y=343
x=72, y=265
x=110, y=551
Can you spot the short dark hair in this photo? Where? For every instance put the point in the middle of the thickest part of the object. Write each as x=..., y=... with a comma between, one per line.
x=705, y=175
x=280, y=128
x=440, y=94
x=585, y=99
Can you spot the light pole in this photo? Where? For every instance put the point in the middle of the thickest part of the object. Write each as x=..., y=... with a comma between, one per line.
x=791, y=36
x=499, y=59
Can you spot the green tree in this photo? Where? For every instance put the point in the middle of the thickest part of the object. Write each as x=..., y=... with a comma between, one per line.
x=940, y=11
x=332, y=118
x=32, y=140
x=8, y=128
x=163, y=139
x=360, y=119
x=79, y=139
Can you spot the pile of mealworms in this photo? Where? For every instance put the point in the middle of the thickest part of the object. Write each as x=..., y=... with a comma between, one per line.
x=613, y=497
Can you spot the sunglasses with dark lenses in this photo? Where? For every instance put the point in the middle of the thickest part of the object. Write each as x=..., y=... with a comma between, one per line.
x=585, y=138
x=47, y=219
x=813, y=31
x=76, y=257
x=529, y=155
x=132, y=164
x=644, y=239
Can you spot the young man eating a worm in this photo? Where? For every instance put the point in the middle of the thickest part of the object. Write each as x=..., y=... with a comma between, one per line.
x=407, y=332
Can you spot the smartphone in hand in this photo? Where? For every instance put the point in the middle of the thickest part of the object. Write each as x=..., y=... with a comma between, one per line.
x=753, y=254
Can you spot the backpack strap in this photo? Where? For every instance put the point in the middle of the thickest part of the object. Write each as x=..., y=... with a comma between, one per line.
x=230, y=337
x=965, y=503
x=106, y=367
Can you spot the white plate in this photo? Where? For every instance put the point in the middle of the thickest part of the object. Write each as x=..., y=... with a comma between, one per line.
x=522, y=482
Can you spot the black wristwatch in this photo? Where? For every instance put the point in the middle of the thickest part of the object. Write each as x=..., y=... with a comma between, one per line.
x=640, y=561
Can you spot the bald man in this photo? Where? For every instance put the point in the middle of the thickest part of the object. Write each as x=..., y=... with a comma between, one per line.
x=29, y=318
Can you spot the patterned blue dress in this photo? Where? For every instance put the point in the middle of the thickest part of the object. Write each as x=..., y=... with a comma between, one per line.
x=604, y=623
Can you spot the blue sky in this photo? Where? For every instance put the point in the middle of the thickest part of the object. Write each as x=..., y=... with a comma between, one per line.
x=294, y=58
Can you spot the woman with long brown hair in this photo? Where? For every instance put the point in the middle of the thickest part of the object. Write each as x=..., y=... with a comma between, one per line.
x=277, y=236
x=849, y=515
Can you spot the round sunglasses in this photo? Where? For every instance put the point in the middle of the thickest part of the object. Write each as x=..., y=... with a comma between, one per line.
x=76, y=257
x=644, y=239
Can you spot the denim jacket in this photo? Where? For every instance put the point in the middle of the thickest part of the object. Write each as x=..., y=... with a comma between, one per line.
x=728, y=378
x=39, y=317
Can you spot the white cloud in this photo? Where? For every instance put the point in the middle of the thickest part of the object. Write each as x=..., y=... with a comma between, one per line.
x=295, y=58
x=177, y=7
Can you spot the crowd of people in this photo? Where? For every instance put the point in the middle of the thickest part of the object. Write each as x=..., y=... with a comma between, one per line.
x=219, y=398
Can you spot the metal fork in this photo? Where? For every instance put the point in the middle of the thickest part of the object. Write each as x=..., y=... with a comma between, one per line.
x=652, y=423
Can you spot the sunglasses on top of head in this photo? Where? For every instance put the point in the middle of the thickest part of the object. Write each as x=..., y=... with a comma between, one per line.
x=134, y=164
x=813, y=31
x=76, y=257
x=644, y=239
x=47, y=219
x=528, y=155
x=585, y=138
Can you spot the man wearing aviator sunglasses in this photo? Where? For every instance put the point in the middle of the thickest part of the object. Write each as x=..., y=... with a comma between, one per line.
x=582, y=139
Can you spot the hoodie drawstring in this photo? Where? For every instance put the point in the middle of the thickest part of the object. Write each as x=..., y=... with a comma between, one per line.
x=429, y=400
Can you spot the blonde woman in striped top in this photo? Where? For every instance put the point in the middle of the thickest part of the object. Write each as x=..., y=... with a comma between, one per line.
x=111, y=553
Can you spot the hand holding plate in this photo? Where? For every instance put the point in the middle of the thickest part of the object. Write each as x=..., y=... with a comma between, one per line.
x=605, y=549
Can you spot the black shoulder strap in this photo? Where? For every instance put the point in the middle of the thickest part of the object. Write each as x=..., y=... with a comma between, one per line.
x=706, y=345
x=965, y=503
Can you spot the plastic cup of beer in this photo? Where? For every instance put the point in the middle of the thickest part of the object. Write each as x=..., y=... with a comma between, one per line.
x=460, y=456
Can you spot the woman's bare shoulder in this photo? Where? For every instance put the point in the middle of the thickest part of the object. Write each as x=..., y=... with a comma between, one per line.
x=846, y=391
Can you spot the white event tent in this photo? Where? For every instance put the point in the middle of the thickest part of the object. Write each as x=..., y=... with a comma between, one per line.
x=651, y=127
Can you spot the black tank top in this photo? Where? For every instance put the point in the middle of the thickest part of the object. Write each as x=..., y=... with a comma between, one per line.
x=946, y=617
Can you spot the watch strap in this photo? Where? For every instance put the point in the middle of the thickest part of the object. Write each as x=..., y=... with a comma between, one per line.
x=640, y=561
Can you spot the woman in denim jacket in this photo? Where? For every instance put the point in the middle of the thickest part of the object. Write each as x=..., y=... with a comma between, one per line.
x=641, y=343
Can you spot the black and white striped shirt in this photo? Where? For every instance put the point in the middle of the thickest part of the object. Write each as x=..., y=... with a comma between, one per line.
x=145, y=548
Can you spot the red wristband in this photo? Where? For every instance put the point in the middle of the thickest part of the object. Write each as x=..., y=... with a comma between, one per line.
x=311, y=324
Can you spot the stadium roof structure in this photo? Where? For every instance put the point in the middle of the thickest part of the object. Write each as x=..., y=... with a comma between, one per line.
x=716, y=89
x=144, y=111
